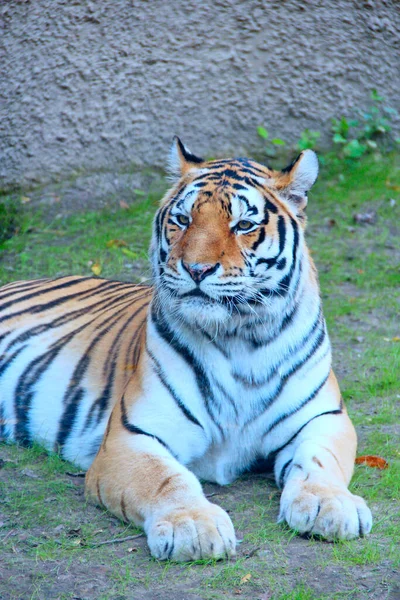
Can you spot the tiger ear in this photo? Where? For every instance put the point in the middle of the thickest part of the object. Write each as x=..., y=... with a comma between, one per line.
x=181, y=159
x=294, y=181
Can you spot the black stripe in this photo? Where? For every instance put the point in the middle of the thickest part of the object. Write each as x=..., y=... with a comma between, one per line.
x=37, y=308
x=273, y=455
x=268, y=205
x=133, y=429
x=74, y=392
x=24, y=393
x=287, y=320
x=282, y=476
x=306, y=338
x=109, y=368
x=21, y=287
x=203, y=383
x=42, y=291
x=134, y=340
x=290, y=413
x=161, y=375
x=260, y=239
x=100, y=307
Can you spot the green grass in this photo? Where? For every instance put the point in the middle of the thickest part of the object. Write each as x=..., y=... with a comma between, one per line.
x=115, y=240
x=360, y=283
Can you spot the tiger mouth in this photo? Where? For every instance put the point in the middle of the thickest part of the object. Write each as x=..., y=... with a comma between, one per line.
x=197, y=293
x=221, y=300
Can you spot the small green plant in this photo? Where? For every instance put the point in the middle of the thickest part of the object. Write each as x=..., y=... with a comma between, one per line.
x=10, y=218
x=271, y=145
x=308, y=140
x=356, y=137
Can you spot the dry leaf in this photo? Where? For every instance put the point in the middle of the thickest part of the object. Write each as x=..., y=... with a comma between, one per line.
x=116, y=243
x=132, y=549
x=392, y=186
x=368, y=217
x=245, y=578
x=30, y=473
x=96, y=268
x=360, y=271
x=76, y=532
x=370, y=460
x=25, y=199
x=129, y=253
x=124, y=204
x=77, y=542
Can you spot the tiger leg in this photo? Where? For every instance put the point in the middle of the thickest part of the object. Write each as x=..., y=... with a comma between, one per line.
x=315, y=471
x=135, y=477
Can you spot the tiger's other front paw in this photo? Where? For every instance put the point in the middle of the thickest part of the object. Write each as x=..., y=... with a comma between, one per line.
x=185, y=534
x=323, y=509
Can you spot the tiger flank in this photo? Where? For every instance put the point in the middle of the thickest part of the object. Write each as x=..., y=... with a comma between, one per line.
x=223, y=363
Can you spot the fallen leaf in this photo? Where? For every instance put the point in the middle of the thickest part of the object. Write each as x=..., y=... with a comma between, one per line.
x=392, y=186
x=124, y=205
x=30, y=473
x=129, y=253
x=74, y=532
x=132, y=549
x=96, y=268
x=77, y=542
x=370, y=460
x=368, y=217
x=360, y=339
x=396, y=338
x=116, y=243
x=25, y=199
x=245, y=578
x=237, y=592
x=360, y=271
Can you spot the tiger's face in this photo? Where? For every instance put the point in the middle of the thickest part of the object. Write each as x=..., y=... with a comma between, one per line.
x=228, y=237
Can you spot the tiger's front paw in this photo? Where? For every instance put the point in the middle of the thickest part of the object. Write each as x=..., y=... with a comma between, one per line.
x=191, y=534
x=323, y=509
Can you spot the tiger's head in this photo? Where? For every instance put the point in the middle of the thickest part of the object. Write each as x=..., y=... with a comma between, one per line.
x=228, y=237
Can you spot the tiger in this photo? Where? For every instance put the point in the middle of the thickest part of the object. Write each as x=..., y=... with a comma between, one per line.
x=221, y=365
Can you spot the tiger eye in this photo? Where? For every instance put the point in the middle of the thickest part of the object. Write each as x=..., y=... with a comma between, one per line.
x=182, y=219
x=244, y=225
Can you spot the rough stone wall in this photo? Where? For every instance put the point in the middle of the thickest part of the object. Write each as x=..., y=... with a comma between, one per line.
x=91, y=85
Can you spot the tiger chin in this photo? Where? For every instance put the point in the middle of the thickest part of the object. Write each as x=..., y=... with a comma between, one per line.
x=225, y=360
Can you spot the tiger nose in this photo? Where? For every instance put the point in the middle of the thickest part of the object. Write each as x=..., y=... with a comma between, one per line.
x=199, y=271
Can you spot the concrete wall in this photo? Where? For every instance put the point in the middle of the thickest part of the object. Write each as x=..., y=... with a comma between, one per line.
x=89, y=85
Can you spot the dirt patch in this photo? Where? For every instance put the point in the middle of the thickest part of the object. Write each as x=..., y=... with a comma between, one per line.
x=93, y=191
x=58, y=558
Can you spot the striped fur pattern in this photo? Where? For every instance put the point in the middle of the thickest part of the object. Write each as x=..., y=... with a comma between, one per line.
x=223, y=364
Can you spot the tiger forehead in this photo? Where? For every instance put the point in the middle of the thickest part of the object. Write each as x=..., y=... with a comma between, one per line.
x=233, y=172
x=236, y=185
